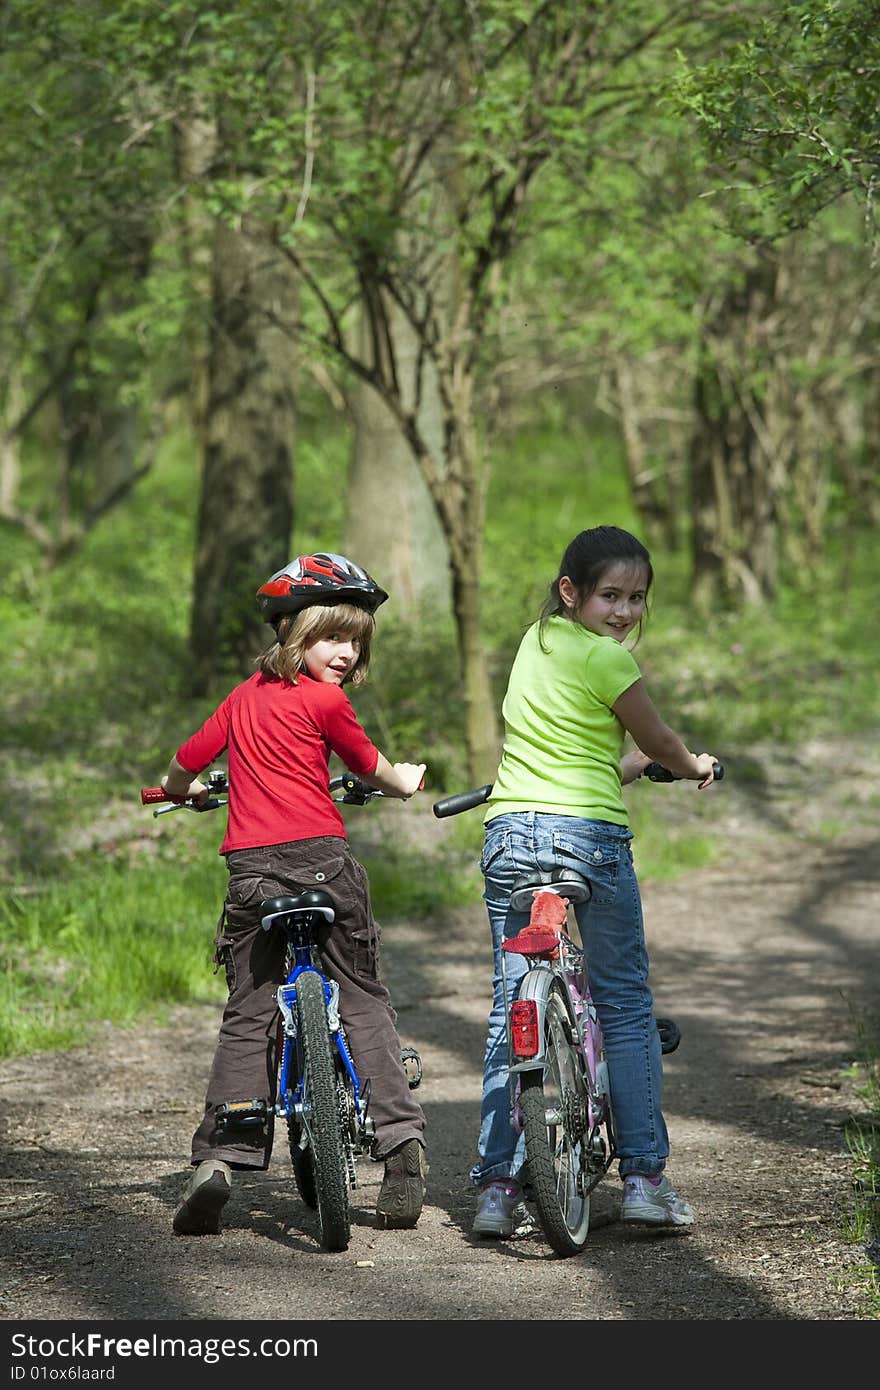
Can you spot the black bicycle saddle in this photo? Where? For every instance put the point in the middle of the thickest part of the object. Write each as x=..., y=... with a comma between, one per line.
x=309, y=900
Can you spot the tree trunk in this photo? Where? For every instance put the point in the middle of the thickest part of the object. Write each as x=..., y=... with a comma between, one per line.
x=10, y=453
x=392, y=527
x=458, y=489
x=246, y=508
x=654, y=488
x=98, y=447
x=736, y=462
x=195, y=146
x=481, y=725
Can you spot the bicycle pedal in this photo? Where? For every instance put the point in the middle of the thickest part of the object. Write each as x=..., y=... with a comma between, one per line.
x=412, y=1065
x=670, y=1034
x=241, y=1114
x=362, y=1141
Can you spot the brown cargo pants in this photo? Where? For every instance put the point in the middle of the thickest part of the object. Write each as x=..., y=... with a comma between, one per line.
x=246, y=1059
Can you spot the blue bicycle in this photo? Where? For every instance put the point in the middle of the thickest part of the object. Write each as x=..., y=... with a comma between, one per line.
x=319, y=1093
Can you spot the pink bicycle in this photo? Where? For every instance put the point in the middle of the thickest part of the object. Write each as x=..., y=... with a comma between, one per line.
x=560, y=1096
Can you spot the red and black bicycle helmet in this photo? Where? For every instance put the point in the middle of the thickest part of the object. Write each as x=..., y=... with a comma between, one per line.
x=320, y=578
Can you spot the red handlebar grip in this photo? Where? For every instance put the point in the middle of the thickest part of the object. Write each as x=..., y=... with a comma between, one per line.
x=149, y=795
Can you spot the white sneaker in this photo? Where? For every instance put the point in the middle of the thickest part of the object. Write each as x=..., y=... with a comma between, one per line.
x=648, y=1205
x=499, y=1209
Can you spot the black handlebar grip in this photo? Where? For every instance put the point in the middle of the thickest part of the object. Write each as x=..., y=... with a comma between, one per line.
x=461, y=801
x=656, y=772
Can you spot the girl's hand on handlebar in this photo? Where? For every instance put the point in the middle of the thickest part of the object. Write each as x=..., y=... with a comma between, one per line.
x=632, y=765
x=706, y=763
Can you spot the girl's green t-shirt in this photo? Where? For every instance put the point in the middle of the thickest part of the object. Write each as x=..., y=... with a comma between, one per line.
x=562, y=740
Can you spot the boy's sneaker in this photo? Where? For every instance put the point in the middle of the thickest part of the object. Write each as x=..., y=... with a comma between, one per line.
x=653, y=1204
x=403, y=1187
x=500, y=1209
x=204, y=1197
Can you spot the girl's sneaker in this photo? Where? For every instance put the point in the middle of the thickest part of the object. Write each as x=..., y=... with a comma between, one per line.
x=650, y=1203
x=499, y=1209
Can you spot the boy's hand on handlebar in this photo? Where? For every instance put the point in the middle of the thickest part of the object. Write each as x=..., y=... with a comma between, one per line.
x=706, y=763
x=396, y=779
x=196, y=791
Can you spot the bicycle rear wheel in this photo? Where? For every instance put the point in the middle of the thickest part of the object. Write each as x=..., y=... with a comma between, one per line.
x=555, y=1118
x=321, y=1117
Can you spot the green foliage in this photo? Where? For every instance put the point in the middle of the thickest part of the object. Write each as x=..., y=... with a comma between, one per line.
x=575, y=469
x=791, y=107
x=79, y=213
x=787, y=672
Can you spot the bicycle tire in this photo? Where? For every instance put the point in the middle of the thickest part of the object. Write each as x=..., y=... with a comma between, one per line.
x=553, y=1103
x=328, y=1158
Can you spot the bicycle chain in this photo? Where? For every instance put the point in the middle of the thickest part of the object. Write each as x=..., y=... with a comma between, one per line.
x=344, y=1103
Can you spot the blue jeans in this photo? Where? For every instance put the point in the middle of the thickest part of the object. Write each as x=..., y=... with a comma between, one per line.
x=612, y=934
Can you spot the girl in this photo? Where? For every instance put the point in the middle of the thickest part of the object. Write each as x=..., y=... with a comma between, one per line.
x=574, y=690
x=284, y=833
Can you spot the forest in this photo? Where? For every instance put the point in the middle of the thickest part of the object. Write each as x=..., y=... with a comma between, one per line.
x=437, y=285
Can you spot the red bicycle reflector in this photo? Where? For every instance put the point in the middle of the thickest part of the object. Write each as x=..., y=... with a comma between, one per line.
x=524, y=1027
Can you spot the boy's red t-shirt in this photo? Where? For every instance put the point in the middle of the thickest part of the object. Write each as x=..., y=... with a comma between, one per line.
x=279, y=738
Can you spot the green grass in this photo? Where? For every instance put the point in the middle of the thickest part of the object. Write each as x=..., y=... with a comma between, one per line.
x=105, y=942
x=662, y=854
x=406, y=884
x=862, y=1221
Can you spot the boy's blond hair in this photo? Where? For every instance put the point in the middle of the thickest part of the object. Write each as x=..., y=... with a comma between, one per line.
x=297, y=631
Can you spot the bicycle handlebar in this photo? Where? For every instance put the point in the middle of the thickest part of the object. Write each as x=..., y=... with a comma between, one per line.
x=465, y=801
x=656, y=772
x=216, y=782
x=357, y=793
x=461, y=801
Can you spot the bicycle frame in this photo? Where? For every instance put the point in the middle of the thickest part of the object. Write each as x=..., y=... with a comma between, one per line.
x=291, y=1101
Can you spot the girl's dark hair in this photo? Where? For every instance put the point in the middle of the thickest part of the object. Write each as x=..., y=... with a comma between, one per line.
x=586, y=559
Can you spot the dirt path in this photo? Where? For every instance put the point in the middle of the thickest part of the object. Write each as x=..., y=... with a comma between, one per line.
x=762, y=960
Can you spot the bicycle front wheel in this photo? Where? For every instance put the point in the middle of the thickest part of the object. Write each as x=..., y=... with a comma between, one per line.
x=555, y=1118
x=321, y=1116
